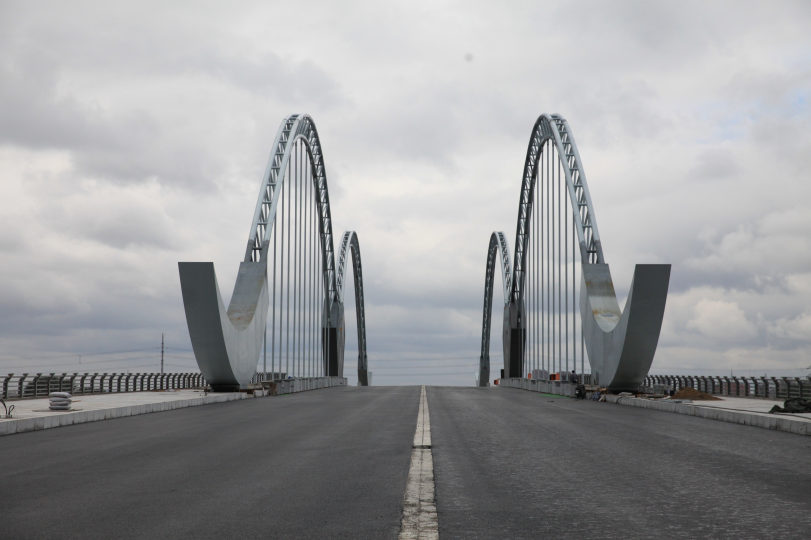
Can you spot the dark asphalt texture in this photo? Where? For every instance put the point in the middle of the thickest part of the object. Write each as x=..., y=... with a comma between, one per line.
x=513, y=464
x=333, y=463
x=329, y=463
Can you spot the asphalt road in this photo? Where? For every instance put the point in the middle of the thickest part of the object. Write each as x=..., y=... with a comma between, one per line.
x=322, y=464
x=513, y=464
x=333, y=463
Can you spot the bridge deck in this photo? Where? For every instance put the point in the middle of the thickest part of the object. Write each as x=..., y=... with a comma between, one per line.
x=334, y=464
x=515, y=464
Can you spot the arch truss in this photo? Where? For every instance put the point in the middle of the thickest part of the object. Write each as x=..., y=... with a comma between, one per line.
x=556, y=229
x=287, y=300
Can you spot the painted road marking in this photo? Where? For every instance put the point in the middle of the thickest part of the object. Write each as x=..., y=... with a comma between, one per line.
x=419, y=504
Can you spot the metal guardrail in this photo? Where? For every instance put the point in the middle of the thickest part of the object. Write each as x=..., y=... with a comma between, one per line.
x=267, y=376
x=755, y=387
x=40, y=385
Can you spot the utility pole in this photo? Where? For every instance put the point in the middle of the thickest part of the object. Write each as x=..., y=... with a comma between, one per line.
x=161, y=354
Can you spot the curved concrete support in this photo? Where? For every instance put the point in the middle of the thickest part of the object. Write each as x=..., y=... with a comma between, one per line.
x=226, y=343
x=621, y=344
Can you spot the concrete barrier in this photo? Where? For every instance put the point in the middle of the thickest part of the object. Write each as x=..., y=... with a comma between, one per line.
x=21, y=425
x=768, y=421
x=557, y=388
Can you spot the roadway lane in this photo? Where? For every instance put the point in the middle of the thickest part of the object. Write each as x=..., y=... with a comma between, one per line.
x=512, y=464
x=323, y=464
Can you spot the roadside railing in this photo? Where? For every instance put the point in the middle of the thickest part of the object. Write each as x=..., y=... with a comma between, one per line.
x=39, y=385
x=267, y=376
x=755, y=387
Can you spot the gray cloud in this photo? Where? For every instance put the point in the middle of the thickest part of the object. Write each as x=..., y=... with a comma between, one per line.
x=133, y=135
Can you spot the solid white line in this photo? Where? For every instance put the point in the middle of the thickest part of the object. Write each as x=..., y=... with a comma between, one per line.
x=419, y=504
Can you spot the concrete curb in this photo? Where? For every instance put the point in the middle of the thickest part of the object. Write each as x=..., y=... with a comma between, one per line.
x=768, y=421
x=21, y=425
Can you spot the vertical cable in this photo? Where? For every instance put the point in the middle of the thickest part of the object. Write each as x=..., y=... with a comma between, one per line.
x=287, y=286
x=305, y=229
x=303, y=258
x=313, y=357
x=273, y=324
x=313, y=275
x=574, y=301
x=550, y=359
x=560, y=280
x=566, y=268
x=541, y=341
x=307, y=260
x=536, y=319
x=297, y=264
x=294, y=247
x=307, y=263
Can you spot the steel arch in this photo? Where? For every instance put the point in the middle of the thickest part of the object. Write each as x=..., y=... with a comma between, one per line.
x=294, y=127
x=227, y=343
x=498, y=243
x=620, y=343
x=555, y=128
x=349, y=242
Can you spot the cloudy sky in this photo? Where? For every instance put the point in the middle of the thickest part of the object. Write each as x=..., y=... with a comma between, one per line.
x=133, y=135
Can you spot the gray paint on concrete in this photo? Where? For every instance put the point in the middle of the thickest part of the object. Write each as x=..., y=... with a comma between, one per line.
x=520, y=465
x=326, y=464
x=621, y=344
x=226, y=343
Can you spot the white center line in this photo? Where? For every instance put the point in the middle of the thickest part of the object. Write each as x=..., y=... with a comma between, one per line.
x=419, y=504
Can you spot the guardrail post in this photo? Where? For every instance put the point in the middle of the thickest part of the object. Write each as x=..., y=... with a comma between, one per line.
x=6, y=380
x=35, y=383
x=21, y=386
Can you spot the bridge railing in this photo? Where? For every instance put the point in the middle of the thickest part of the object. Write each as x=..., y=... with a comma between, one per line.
x=39, y=385
x=754, y=387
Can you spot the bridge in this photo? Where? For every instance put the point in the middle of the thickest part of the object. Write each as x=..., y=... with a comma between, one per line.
x=315, y=458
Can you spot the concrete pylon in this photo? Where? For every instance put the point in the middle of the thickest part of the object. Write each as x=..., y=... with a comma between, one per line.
x=226, y=343
x=621, y=344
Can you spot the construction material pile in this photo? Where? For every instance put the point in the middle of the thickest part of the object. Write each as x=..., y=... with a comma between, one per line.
x=793, y=405
x=60, y=401
x=695, y=395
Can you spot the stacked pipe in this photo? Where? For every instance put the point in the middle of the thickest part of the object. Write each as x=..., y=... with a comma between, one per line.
x=60, y=401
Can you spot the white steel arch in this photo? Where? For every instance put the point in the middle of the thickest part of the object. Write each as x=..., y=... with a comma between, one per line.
x=349, y=243
x=498, y=246
x=227, y=342
x=620, y=343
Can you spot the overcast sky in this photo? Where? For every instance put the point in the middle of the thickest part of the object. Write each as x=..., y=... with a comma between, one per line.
x=134, y=135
